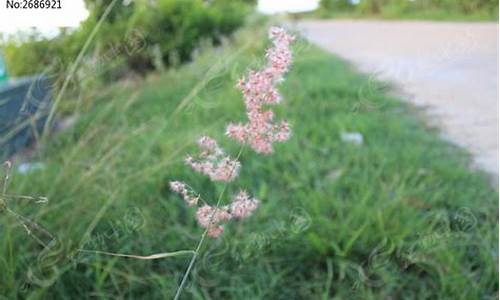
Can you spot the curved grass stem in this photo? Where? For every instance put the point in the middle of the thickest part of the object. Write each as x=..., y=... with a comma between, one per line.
x=147, y=257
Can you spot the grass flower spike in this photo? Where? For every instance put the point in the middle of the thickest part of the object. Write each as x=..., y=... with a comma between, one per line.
x=259, y=89
x=182, y=189
x=213, y=161
x=243, y=206
x=210, y=218
x=260, y=133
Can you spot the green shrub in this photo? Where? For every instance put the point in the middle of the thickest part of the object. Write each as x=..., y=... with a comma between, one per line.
x=136, y=37
x=337, y=5
x=486, y=9
x=177, y=27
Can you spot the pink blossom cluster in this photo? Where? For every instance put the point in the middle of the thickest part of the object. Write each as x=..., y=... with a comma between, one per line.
x=181, y=188
x=260, y=132
x=211, y=217
x=242, y=205
x=213, y=161
x=259, y=89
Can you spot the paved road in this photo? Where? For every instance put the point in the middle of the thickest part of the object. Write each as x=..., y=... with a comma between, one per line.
x=451, y=69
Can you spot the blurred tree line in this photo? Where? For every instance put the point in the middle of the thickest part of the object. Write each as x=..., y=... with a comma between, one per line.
x=136, y=35
x=406, y=7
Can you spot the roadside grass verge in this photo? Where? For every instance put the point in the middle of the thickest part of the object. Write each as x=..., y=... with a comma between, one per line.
x=430, y=15
x=400, y=216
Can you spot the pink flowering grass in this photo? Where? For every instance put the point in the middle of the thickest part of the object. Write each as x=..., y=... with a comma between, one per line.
x=243, y=205
x=213, y=161
x=260, y=132
x=259, y=88
x=187, y=194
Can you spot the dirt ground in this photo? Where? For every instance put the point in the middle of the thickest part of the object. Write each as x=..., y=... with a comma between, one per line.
x=448, y=68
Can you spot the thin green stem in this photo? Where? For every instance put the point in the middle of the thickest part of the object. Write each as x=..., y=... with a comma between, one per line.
x=143, y=257
x=27, y=223
x=74, y=67
x=202, y=239
x=7, y=166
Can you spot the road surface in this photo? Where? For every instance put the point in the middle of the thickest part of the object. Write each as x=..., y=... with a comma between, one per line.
x=450, y=69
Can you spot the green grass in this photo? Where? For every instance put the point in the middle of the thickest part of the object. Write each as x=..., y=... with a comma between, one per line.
x=433, y=15
x=399, y=217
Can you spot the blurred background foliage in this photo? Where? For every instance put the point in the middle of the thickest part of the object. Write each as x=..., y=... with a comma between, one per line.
x=444, y=9
x=140, y=35
x=136, y=36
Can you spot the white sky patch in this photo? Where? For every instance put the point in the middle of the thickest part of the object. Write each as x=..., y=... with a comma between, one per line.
x=46, y=20
x=278, y=6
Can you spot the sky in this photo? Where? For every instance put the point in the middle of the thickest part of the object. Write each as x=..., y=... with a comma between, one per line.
x=48, y=20
x=45, y=20
x=277, y=6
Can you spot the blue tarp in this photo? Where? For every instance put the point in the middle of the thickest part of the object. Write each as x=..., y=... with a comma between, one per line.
x=24, y=105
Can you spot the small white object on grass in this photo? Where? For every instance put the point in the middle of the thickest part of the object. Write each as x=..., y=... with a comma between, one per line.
x=25, y=168
x=335, y=174
x=352, y=137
